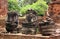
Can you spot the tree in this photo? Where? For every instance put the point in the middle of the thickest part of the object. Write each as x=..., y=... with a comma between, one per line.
x=47, y=1
x=22, y=6
x=13, y=5
x=39, y=6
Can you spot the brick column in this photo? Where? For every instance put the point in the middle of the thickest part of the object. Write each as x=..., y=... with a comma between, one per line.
x=54, y=10
x=3, y=8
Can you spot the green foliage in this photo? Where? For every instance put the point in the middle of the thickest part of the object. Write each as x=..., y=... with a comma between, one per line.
x=13, y=5
x=40, y=7
x=48, y=1
x=26, y=2
x=22, y=6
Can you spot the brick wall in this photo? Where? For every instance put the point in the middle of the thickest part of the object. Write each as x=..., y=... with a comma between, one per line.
x=3, y=7
x=55, y=0
x=54, y=11
x=3, y=12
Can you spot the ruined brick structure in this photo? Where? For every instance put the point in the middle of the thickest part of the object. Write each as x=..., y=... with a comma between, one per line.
x=54, y=10
x=3, y=7
x=3, y=12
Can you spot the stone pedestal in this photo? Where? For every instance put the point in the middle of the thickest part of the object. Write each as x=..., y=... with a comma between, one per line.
x=22, y=36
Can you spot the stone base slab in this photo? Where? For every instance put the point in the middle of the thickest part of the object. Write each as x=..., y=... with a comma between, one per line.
x=23, y=36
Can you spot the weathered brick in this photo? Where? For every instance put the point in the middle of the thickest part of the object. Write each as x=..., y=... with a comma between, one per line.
x=54, y=10
x=3, y=7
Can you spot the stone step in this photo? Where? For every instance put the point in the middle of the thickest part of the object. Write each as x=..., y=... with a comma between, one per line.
x=23, y=36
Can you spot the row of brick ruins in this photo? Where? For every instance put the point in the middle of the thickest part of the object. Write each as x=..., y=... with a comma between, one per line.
x=45, y=26
x=53, y=9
